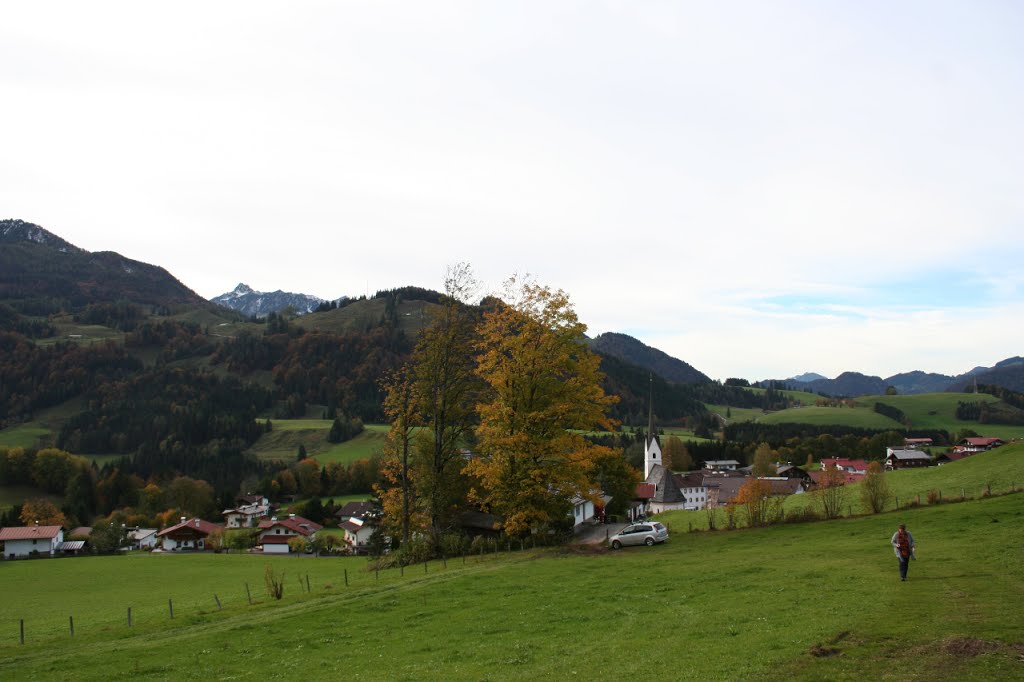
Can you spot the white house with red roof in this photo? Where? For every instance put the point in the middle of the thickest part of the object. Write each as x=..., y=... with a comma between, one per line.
x=188, y=535
x=275, y=533
x=23, y=540
x=850, y=466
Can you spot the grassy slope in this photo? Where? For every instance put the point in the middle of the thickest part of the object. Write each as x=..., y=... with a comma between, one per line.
x=846, y=416
x=283, y=441
x=741, y=605
x=1001, y=469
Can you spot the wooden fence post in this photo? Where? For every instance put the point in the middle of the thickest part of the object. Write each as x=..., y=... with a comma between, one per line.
x=248, y=594
x=71, y=624
x=23, y=631
x=308, y=589
x=170, y=606
x=217, y=599
x=346, y=577
x=129, y=616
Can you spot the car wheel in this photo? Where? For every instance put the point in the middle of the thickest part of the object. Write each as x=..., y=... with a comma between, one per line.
x=616, y=544
x=650, y=542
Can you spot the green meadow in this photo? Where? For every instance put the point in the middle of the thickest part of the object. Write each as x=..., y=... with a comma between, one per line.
x=282, y=443
x=801, y=601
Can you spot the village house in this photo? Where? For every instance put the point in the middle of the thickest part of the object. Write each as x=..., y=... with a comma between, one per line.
x=142, y=538
x=247, y=515
x=20, y=541
x=188, y=535
x=724, y=490
x=357, y=535
x=275, y=533
x=791, y=471
x=721, y=465
x=850, y=466
x=691, y=485
x=916, y=443
x=905, y=459
x=359, y=509
x=951, y=456
x=979, y=444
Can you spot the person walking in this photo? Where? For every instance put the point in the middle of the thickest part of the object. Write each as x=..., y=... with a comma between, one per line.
x=903, y=544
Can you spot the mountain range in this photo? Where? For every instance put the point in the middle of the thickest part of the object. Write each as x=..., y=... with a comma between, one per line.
x=261, y=303
x=41, y=273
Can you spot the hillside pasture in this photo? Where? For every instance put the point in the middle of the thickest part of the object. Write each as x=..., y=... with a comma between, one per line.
x=864, y=418
x=736, y=414
x=803, y=601
x=938, y=411
x=282, y=443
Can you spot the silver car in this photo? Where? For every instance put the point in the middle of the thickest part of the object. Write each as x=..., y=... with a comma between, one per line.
x=644, y=533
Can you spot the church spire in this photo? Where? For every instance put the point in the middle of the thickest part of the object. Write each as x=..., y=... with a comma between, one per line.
x=650, y=410
x=652, y=451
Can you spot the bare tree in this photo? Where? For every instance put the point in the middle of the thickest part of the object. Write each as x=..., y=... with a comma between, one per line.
x=874, y=490
x=831, y=492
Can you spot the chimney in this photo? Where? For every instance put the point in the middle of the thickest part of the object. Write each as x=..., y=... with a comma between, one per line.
x=291, y=516
x=183, y=519
x=197, y=523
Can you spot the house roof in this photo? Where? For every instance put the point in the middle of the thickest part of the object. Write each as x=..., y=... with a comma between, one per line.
x=352, y=527
x=721, y=462
x=982, y=442
x=72, y=546
x=29, y=532
x=691, y=479
x=141, y=533
x=953, y=456
x=296, y=524
x=844, y=463
x=195, y=525
x=644, y=491
x=904, y=455
x=358, y=508
x=666, y=490
x=81, y=531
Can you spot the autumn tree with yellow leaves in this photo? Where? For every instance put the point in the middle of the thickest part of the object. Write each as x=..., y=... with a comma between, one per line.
x=542, y=382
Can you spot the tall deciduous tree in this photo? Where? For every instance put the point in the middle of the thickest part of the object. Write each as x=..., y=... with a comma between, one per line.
x=543, y=381
x=396, y=491
x=763, y=461
x=676, y=456
x=446, y=393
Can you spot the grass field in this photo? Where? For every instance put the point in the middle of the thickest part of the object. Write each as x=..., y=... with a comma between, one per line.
x=864, y=418
x=11, y=495
x=283, y=442
x=736, y=414
x=803, y=601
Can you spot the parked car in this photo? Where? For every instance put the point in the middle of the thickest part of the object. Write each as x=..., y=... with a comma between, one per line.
x=645, y=533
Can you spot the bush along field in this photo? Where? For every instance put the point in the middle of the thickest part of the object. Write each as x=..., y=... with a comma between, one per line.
x=794, y=601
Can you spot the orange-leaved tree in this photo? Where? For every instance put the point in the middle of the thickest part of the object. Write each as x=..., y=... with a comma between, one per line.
x=755, y=498
x=542, y=382
x=41, y=511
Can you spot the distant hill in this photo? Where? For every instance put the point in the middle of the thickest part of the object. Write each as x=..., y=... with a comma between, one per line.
x=261, y=303
x=805, y=378
x=1009, y=374
x=37, y=265
x=637, y=353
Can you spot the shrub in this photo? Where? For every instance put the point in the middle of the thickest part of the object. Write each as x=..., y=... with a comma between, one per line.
x=934, y=497
x=273, y=582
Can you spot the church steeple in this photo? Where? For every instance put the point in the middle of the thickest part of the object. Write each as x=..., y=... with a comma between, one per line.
x=652, y=450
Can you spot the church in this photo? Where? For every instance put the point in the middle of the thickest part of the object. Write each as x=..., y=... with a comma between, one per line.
x=667, y=495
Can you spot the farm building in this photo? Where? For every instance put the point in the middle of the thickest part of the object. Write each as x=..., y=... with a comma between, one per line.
x=905, y=459
x=357, y=534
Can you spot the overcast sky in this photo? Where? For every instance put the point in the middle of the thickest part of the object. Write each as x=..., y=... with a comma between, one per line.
x=758, y=188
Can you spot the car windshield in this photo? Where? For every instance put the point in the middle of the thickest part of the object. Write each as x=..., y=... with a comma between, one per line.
x=658, y=526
